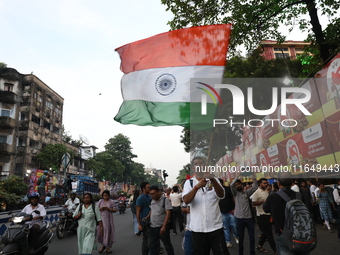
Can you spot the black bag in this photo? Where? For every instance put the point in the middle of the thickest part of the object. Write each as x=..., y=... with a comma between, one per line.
x=133, y=207
x=299, y=230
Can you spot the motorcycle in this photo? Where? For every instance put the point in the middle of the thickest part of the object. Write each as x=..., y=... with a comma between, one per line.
x=16, y=236
x=66, y=222
x=121, y=206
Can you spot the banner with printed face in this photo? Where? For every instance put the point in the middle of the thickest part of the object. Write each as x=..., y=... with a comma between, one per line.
x=333, y=127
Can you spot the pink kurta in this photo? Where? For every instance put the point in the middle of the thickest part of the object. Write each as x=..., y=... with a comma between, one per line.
x=109, y=236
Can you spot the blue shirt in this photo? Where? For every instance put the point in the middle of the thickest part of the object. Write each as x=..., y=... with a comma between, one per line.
x=143, y=201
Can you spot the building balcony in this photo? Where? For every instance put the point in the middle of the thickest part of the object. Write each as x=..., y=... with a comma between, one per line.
x=8, y=97
x=4, y=149
x=7, y=122
x=21, y=149
x=26, y=100
x=23, y=124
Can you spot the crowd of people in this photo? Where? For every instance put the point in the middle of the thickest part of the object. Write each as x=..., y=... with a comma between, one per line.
x=204, y=211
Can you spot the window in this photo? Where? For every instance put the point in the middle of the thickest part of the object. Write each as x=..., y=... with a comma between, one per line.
x=280, y=49
x=57, y=111
x=22, y=116
x=49, y=105
x=5, y=113
x=299, y=49
x=20, y=141
x=56, y=130
x=36, y=119
x=8, y=86
x=3, y=139
x=47, y=125
x=281, y=55
x=34, y=144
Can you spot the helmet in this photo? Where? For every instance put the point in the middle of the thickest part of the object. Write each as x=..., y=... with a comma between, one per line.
x=32, y=195
x=45, y=172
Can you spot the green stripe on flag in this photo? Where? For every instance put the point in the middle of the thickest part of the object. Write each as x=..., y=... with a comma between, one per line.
x=144, y=113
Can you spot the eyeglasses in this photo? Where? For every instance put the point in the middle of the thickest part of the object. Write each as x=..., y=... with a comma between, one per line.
x=151, y=194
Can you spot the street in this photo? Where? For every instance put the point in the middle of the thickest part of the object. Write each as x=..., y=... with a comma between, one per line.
x=128, y=243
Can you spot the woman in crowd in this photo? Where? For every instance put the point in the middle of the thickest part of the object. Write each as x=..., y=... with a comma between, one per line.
x=325, y=202
x=132, y=202
x=107, y=207
x=88, y=215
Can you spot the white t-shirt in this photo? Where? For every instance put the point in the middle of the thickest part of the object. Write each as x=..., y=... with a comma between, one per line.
x=70, y=204
x=176, y=199
x=312, y=189
x=295, y=188
x=258, y=196
x=205, y=213
x=29, y=210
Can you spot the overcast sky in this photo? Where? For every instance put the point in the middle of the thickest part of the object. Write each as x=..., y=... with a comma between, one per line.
x=69, y=45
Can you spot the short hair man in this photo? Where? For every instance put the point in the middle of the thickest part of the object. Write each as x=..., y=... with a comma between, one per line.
x=203, y=195
x=243, y=212
x=276, y=205
x=37, y=219
x=159, y=218
x=176, y=202
x=142, y=215
x=71, y=202
x=258, y=198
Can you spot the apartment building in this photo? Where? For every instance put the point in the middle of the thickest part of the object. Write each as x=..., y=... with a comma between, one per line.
x=30, y=118
x=287, y=49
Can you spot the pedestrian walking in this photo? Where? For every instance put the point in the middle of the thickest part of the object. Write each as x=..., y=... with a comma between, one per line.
x=258, y=198
x=176, y=202
x=227, y=206
x=142, y=215
x=325, y=203
x=132, y=202
x=206, y=224
x=243, y=212
x=88, y=215
x=107, y=207
x=159, y=222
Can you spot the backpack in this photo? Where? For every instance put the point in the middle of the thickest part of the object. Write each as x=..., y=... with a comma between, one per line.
x=299, y=230
x=133, y=207
x=39, y=180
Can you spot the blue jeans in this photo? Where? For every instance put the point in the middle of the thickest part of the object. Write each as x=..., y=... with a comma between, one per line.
x=188, y=250
x=241, y=225
x=282, y=248
x=229, y=223
x=135, y=223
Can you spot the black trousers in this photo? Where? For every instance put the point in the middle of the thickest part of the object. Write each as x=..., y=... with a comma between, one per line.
x=203, y=242
x=177, y=214
x=33, y=236
x=266, y=231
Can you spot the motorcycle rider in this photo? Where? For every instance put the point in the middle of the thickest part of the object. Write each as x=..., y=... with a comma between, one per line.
x=122, y=199
x=37, y=218
x=71, y=202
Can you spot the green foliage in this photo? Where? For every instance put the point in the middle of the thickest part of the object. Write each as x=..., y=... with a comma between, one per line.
x=257, y=20
x=183, y=173
x=66, y=137
x=12, y=190
x=3, y=65
x=51, y=156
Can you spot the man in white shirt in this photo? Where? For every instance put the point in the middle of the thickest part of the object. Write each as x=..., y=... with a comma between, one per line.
x=71, y=202
x=258, y=198
x=295, y=187
x=37, y=219
x=206, y=224
x=176, y=202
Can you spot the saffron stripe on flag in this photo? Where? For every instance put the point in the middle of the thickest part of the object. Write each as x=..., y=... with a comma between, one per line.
x=202, y=45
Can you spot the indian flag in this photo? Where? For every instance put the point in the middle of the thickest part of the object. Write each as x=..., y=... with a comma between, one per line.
x=156, y=85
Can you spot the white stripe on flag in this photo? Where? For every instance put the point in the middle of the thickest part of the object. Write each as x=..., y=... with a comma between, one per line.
x=141, y=85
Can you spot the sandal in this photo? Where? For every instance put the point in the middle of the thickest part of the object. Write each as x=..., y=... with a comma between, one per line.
x=102, y=249
x=261, y=249
x=108, y=250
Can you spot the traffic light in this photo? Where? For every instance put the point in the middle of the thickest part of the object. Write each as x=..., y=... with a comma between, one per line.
x=165, y=175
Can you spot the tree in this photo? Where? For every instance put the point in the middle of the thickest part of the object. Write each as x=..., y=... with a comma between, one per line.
x=254, y=21
x=66, y=137
x=12, y=190
x=51, y=156
x=120, y=148
x=3, y=65
x=106, y=167
x=183, y=173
